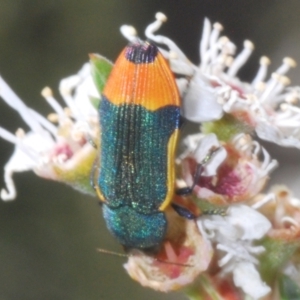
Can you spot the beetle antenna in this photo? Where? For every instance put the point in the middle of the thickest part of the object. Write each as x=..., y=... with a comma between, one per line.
x=173, y=263
x=104, y=251
x=113, y=253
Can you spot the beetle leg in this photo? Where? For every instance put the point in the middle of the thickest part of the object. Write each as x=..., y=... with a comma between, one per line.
x=199, y=170
x=189, y=189
x=183, y=212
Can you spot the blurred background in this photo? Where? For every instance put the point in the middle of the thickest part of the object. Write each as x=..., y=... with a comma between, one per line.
x=49, y=235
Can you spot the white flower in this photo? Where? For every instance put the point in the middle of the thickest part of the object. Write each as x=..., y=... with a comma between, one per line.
x=237, y=170
x=222, y=172
x=283, y=209
x=206, y=150
x=235, y=234
x=193, y=250
x=48, y=149
x=213, y=88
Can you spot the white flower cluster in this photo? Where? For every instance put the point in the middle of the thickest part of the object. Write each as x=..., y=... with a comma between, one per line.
x=234, y=171
x=235, y=234
x=213, y=88
x=47, y=145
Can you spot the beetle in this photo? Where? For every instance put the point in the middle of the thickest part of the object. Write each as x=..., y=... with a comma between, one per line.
x=139, y=116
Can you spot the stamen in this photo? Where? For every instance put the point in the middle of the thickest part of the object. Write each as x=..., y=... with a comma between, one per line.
x=129, y=32
x=256, y=249
x=291, y=108
x=241, y=58
x=67, y=112
x=10, y=192
x=78, y=135
x=204, y=41
x=268, y=164
x=217, y=28
x=224, y=260
x=66, y=94
x=53, y=118
x=48, y=95
x=213, y=41
x=291, y=99
x=11, y=98
x=240, y=139
x=260, y=86
x=153, y=27
x=8, y=136
x=160, y=39
x=288, y=63
x=289, y=221
x=179, y=66
x=72, y=82
x=229, y=61
x=221, y=60
x=227, y=47
x=67, y=123
x=262, y=71
x=256, y=147
x=20, y=133
x=284, y=106
x=44, y=122
x=24, y=147
x=268, y=198
x=283, y=81
x=270, y=87
x=173, y=55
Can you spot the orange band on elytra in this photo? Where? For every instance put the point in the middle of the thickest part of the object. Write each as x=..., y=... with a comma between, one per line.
x=151, y=85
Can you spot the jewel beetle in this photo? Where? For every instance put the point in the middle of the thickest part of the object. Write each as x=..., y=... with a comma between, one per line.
x=139, y=116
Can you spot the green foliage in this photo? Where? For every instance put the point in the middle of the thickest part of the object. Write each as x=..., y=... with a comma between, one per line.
x=288, y=289
x=100, y=69
x=225, y=128
x=277, y=253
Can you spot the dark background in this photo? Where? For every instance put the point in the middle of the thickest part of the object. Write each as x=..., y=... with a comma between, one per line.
x=49, y=235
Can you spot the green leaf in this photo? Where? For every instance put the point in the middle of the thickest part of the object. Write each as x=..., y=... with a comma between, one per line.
x=100, y=68
x=227, y=127
x=277, y=253
x=202, y=288
x=288, y=289
x=95, y=102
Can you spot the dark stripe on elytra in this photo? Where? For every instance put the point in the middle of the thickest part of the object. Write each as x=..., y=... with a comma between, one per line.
x=141, y=53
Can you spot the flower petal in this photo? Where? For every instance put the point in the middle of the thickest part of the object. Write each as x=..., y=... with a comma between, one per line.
x=248, y=279
x=253, y=224
x=200, y=102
